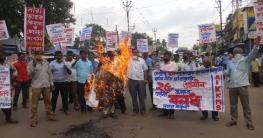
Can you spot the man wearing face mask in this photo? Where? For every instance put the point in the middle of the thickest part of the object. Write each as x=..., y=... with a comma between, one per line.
x=147, y=61
x=42, y=83
x=94, y=63
x=153, y=65
x=168, y=65
x=238, y=70
x=137, y=78
x=178, y=63
x=225, y=60
x=60, y=71
x=206, y=65
x=22, y=81
x=189, y=64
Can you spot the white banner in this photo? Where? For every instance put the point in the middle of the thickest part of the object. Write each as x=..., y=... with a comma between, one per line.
x=207, y=33
x=123, y=36
x=3, y=30
x=5, y=87
x=111, y=38
x=258, y=10
x=173, y=40
x=142, y=45
x=192, y=90
x=69, y=32
x=86, y=33
x=58, y=47
x=56, y=33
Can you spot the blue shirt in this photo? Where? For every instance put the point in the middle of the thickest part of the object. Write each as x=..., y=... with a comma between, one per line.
x=147, y=61
x=261, y=62
x=225, y=59
x=238, y=72
x=83, y=69
x=94, y=66
x=59, y=73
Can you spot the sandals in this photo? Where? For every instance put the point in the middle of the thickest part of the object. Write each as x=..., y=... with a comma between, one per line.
x=53, y=119
x=232, y=123
x=203, y=118
x=153, y=108
x=12, y=121
x=250, y=127
x=125, y=112
x=113, y=116
x=172, y=116
x=33, y=124
x=134, y=113
x=61, y=109
x=144, y=114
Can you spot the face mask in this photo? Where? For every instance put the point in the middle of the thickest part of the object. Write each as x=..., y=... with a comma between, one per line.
x=166, y=60
x=135, y=57
x=59, y=60
x=2, y=59
x=70, y=58
x=38, y=56
x=185, y=57
x=238, y=57
x=91, y=59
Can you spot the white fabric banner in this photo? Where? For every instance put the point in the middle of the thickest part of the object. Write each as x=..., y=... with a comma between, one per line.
x=3, y=30
x=5, y=87
x=111, y=38
x=56, y=33
x=142, y=45
x=173, y=40
x=192, y=90
x=86, y=33
x=258, y=10
x=69, y=32
x=207, y=33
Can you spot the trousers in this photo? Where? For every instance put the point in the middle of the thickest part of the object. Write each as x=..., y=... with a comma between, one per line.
x=61, y=87
x=137, y=88
x=25, y=92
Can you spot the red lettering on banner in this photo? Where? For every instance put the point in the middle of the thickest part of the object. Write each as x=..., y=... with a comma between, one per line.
x=194, y=84
x=192, y=99
x=218, y=93
x=217, y=89
x=195, y=100
x=4, y=93
x=164, y=88
x=218, y=107
x=170, y=73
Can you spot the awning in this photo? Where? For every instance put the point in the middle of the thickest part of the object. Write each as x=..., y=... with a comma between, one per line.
x=232, y=46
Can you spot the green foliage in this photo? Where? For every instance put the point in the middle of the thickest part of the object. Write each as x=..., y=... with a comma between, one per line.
x=137, y=35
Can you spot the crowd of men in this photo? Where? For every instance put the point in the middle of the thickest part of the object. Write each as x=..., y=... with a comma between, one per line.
x=69, y=76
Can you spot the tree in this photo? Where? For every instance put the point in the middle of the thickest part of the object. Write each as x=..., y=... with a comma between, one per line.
x=137, y=35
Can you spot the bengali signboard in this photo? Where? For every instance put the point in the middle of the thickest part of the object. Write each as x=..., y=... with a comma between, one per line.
x=123, y=37
x=251, y=19
x=34, y=25
x=111, y=38
x=173, y=40
x=86, y=33
x=142, y=45
x=5, y=87
x=192, y=90
x=218, y=29
x=258, y=10
x=69, y=33
x=207, y=33
x=3, y=30
x=56, y=33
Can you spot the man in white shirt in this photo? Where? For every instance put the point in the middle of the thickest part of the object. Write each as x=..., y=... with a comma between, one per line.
x=137, y=78
x=188, y=63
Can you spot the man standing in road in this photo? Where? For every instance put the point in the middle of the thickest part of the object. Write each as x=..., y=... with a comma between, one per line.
x=60, y=71
x=83, y=69
x=22, y=81
x=238, y=70
x=13, y=74
x=255, y=68
x=137, y=78
x=178, y=63
x=207, y=65
x=225, y=60
x=42, y=83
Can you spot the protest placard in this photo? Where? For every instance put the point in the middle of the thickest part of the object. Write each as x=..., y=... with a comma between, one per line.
x=34, y=23
x=86, y=33
x=207, y=33
x=192, y=90
x=142, y=45
x=5, y=87
x=258, y=10
x=111, y=38
x=69, y=33
x=56, y=33
x=173, y=40
x=58, y=47
x=123, y=37
x=3, y=30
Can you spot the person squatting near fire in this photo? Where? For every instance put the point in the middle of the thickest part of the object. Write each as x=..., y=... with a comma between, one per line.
x=108, y=88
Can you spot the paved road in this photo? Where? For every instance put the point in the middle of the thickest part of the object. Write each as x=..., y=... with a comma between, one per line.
x=185, y=125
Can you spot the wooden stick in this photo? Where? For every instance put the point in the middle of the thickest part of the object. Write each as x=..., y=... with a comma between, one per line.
x=210, y=54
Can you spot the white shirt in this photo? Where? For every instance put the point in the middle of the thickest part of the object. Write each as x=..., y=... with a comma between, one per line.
x=136, y=69
x=73, y=76
x=189, y=67
x=170, y=66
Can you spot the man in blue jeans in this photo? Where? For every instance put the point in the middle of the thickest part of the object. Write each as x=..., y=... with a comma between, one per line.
x=83, y=69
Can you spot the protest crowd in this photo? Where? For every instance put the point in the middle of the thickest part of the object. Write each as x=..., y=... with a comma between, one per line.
x=71, y=76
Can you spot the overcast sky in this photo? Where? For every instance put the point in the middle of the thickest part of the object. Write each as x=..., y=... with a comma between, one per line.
x=167, y=16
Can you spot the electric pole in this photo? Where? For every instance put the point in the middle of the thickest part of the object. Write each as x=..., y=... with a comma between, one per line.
x=219, y=8
x=155, y=31
x=117, y=34
x=127, y=8
x=237, y=13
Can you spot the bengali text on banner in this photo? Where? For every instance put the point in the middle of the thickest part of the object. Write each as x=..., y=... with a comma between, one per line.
x=5, y=87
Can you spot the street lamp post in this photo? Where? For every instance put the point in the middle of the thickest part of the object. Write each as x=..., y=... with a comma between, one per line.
x=155, y=31
x=127, y=8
